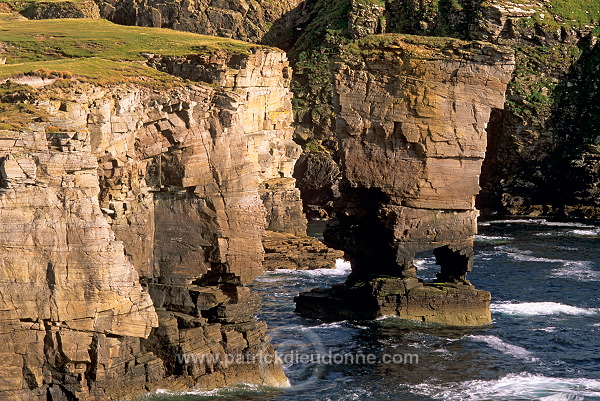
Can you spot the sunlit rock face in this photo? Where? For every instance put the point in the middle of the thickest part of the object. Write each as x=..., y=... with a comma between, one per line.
x=130, y=222
x=237, y=19
x=411, y=114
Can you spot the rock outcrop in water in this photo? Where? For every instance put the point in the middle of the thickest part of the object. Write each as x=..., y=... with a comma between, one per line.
x=130, y=222
x=288, y=251
x=411, y=115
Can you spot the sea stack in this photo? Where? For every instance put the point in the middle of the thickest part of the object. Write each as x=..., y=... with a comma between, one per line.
x=411, y=117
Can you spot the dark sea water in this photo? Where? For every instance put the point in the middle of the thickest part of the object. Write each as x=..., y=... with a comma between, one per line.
x=544, y=343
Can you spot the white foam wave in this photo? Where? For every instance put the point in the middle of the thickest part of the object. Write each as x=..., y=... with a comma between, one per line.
x=504, y=347
x=540, y=309
x=424, y=263
x=230, y=390
x=586, y=233
x=541, y=222
x=483, y=237
x=527, y=256
x=441, y=351
x=577, y=270
x=549, y=329
x=566, y=248
x=334, y=325
x=571, y=268
x=342, y=268
x=574, y=269
x=512, y=221
x=266, y=279
x=546, y=234
x=301, y=327
x=567, y=224
x=514, y=386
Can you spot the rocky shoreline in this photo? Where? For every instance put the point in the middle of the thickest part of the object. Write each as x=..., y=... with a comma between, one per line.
x=144, y=184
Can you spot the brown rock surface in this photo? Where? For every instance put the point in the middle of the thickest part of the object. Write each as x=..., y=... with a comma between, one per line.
x=131, y=201
x=411, y=114
x=440, y=303
x=288, y=251
x=61, y=9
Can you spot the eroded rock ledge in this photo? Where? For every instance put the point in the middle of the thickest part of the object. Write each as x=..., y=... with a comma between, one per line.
x=411, y=114
x=131, y=221
x=288, y=251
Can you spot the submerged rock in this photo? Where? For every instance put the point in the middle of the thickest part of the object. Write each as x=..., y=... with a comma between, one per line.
x=408, y=298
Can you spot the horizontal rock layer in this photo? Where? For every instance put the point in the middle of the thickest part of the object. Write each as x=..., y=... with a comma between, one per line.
x=288, y=251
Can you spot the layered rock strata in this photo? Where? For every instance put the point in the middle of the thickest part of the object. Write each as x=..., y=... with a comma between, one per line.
x=411, y=115
x=130, y=221
x=288, y=251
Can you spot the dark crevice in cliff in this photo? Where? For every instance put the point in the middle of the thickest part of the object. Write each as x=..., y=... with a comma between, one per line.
x=487, y=201
x=535, y=147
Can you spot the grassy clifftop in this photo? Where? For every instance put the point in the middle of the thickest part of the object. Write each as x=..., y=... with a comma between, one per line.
x=98, y=49
x=89, y=50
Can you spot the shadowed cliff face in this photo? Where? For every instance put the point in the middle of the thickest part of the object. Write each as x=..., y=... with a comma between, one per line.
x=130, y=221
x=236, y=19
x=411, y=114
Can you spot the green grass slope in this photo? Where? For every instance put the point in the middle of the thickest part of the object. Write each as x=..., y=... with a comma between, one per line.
x=98, y=49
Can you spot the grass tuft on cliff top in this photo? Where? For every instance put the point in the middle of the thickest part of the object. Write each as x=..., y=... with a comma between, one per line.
x=98, y=49
x=37, y=40
x=418, y=46
x=93, y=69
x=577, y=12
x=21, y=5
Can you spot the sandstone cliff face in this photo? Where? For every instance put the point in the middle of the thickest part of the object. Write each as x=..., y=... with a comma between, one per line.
x=411, y=114
x=66, y=282
x=530, y=149
x=532, y=155
x=130, y=222
x=205, y=156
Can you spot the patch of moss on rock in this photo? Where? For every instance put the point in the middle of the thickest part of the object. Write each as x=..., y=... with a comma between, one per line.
x=16, y=106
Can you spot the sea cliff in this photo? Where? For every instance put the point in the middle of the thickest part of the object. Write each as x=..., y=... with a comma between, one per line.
x=132, y=216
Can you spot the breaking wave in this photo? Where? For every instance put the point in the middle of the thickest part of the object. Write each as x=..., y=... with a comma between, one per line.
x=540, y=309
x=504, y=347
x=342, y=268
x=514, y=387
x=577, y=270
